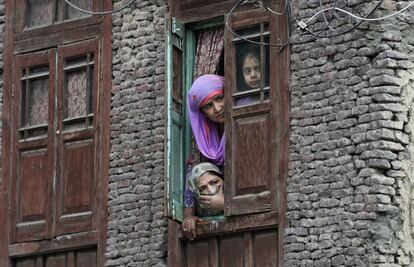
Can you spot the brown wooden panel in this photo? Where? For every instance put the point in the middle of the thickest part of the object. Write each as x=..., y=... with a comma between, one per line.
x=241, y=223
x=71, y=258
x=33, y=195
x=250, y=141
x=55, y=260
x=33, y=158
x=76, y=192
x=193, y=10
x=198, y=253
x=40, y=41
x=85, y=239
x=28, y=262
x=231, y=251
x=265, y=245
x=85, y=258
x=33, y=185
x=77, y=176
x=76, y=183
x=252, y=135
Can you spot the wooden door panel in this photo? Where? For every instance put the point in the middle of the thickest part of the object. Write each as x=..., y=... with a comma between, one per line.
x=252, y=166
x=33, y=187
x=231, y=251
x=78, y=67
x=33, y=160
x=31, y=262
x=250, y=136
x=244, y=248
x=85, y=258
x=73, y=258
x=265, y=248
x=76, y=192
x=55, y=260
x=198, y=253
x=250, y=189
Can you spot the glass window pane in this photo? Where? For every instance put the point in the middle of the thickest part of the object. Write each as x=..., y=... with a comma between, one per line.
x=252, y=66
x=38, y=102
x=78, y=86
x=76, y=83
x=72, y=13
x=40, y=13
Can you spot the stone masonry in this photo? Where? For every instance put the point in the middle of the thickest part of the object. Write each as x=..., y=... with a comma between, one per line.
x=137, y=231
x=349, y=190
x=350, y=171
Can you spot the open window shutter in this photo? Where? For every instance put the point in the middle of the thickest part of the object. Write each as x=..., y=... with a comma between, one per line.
x=251, y=173
x=175, y=120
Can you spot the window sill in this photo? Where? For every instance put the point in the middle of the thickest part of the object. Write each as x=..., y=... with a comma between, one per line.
x=222, y=225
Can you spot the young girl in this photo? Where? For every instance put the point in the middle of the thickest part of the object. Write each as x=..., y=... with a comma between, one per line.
x=248, y=68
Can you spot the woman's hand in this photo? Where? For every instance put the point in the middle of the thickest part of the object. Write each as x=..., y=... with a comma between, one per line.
x=214, y=203
x=189, y=226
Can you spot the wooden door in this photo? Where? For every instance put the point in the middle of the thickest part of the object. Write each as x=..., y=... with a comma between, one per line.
x=55, y=143
x=56, y=156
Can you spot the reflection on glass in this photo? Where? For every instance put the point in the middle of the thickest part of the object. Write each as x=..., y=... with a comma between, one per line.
x=40, y=13
x=72, y=13
x=252, y=67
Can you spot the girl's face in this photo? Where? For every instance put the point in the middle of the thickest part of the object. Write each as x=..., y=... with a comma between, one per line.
x=214, y=108
x=251, y=71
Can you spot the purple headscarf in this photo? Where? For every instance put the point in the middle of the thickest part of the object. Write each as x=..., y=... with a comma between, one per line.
x=206, y=133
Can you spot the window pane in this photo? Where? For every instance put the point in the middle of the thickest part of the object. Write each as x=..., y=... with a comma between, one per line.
x=38, y=104
x=72, y=13
x=34, y=101
x=252, y=66
x=76, y=93
x=40, y=13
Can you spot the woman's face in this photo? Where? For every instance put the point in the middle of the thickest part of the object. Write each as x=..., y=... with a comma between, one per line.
x=214, y=109
x=251, y=71
x=209, y=184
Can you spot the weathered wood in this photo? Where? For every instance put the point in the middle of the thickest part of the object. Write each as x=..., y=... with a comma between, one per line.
x=237, y=223
x=31, y=189
x=104, y=110
x=174, y=249
x=38, y=42
x=196, y=10
x=37, y=200
x=251, y=153
x=55, y=244
x=282, y=87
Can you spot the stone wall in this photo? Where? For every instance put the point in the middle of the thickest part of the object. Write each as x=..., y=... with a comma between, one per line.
x=137, y=231
x=350, y=172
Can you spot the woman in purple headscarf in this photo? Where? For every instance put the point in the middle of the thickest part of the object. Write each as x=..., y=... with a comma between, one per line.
x=205, y=105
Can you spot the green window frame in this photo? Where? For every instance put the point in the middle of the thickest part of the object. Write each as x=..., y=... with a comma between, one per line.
x=180, y=37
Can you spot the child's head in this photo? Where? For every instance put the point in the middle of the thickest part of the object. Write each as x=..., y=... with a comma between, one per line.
x=251, y=70
x=249, y=73
x=206, y=179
